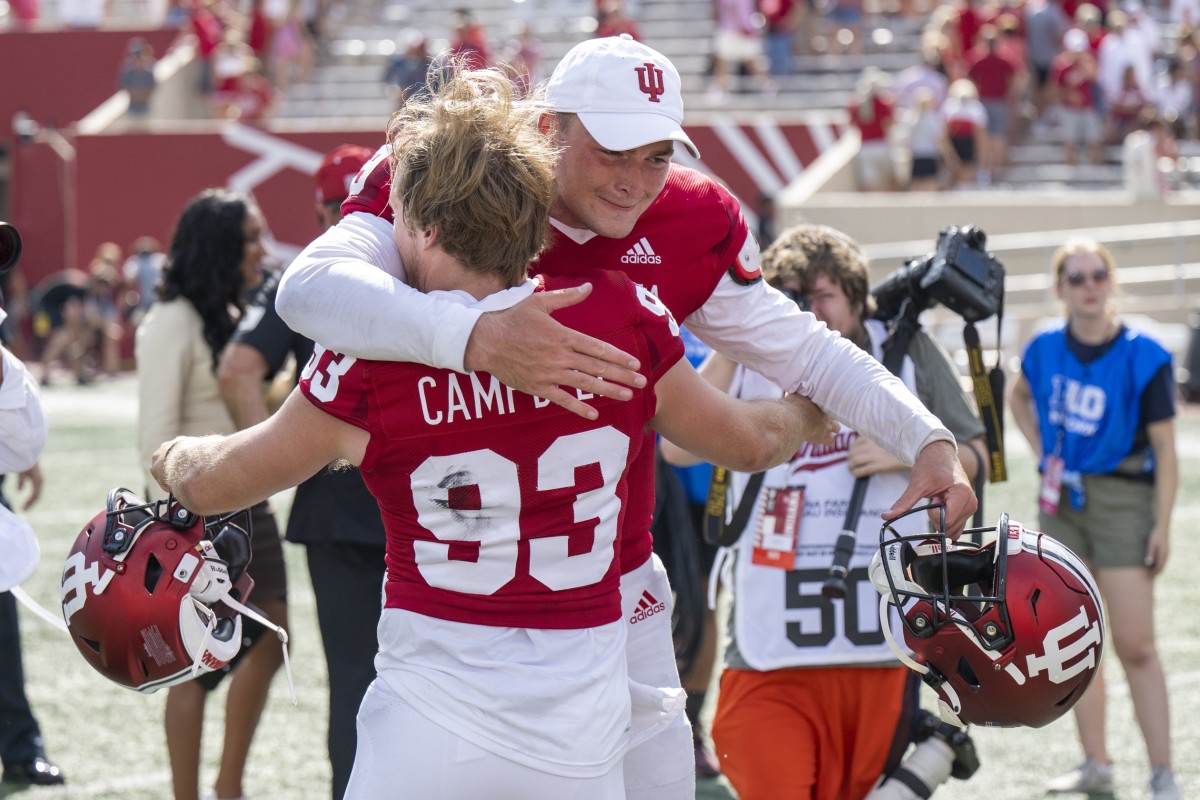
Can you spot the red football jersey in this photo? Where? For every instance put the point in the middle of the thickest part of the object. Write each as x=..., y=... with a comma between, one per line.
x=690, y=236
x=502, y=508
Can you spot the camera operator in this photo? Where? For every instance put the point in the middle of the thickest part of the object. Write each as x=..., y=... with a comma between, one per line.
x=811, y=704
x=22, y=437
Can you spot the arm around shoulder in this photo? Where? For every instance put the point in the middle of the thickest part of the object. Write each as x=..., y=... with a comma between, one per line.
x=347, y=291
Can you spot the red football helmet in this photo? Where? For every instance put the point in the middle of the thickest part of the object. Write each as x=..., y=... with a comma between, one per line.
x=1007, y=633
x=153, y=595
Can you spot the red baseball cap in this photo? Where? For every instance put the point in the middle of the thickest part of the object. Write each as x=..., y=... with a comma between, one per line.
x=337, y=169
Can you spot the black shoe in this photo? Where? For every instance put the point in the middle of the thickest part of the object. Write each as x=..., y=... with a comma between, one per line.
x=36, y=772
x=966, y=759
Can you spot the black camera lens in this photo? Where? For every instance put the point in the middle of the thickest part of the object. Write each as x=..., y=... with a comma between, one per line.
x=10, y=247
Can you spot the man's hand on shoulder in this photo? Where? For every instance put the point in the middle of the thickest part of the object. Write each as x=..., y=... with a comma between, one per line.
x=528, y=350
x=939, y=475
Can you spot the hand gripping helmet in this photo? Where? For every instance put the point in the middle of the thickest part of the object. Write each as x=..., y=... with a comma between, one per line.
x=1007, y=633
x=153, y=595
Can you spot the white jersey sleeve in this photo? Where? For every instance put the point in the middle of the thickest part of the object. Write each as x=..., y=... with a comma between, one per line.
x=348, y=291
x=759, y=327
x=23, y=423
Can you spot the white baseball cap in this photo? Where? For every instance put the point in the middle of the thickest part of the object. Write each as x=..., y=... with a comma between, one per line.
x=626, y=94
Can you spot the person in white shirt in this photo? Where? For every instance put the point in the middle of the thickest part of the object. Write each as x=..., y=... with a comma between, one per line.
x=23, y=429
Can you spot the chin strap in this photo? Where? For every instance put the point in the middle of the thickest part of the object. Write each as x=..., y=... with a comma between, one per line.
x=209, y=626
x=41, y=612
x=946, y=711
x=279, y=631
x=885, y=624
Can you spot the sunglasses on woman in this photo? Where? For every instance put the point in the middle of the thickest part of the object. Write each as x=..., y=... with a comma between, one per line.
x=1098, y=276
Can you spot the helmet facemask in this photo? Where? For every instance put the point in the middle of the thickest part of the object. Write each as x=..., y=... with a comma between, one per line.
x=990, y=661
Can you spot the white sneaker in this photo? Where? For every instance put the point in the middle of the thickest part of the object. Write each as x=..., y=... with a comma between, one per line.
x=1162, y=784
x=1090, y=777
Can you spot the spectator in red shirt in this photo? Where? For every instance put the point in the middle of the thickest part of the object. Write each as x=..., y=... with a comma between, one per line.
x=468, y=44
x=999, y=81
x=1073, y=78
x=611, y=20
x=966, y=127
x=26, y=13
x=1124, y=109
x=261, y=29
x=783, y=18
x=970, y=20
x=209, y=31
x=872, y=112
x=1091, y=21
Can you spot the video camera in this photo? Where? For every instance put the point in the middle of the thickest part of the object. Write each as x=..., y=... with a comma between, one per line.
x=10, y=248
x=963, y=276
x=960, y=274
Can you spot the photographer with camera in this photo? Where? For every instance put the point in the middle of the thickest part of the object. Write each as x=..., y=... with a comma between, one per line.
x=812, y=704
x=22, y=437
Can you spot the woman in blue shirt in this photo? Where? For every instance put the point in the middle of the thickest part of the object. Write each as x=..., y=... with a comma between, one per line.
x=1096, y=401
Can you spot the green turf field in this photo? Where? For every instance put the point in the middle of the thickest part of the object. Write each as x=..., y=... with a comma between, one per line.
x=109, y=740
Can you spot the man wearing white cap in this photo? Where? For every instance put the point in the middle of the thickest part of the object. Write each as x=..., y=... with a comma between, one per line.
x=614, y=106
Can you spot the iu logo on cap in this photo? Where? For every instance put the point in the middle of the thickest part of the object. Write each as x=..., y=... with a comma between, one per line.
x=650, y=80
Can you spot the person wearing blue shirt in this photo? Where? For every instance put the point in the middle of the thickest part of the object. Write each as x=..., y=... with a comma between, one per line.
x=1096, y=401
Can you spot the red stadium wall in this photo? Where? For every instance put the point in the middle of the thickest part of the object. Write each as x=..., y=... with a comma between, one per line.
x=154, y=176
x=57, y=78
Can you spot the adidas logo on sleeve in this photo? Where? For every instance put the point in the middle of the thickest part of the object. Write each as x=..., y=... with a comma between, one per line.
x=648, y=605
x=641, y=253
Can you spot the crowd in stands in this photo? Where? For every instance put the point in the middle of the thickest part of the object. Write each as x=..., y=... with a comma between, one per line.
x=469, y=47
x=76, y=323
x=1083, y=74
x=989, y=75
x=250, y=54
x=249, y=50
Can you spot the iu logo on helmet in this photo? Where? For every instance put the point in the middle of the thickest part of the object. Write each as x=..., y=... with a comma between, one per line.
x=650, y=80
x=1083, y=651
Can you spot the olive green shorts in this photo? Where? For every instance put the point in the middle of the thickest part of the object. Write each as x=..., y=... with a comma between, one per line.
x=1114, y=527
